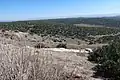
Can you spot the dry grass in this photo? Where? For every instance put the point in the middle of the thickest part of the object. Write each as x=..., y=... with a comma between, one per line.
x=27, y=63
x=22, y=64
x=30, y=64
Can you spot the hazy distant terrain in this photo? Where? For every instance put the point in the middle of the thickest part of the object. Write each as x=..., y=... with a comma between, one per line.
x=103, y=21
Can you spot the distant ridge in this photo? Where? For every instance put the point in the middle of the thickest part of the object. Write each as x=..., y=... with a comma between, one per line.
x=112, y=21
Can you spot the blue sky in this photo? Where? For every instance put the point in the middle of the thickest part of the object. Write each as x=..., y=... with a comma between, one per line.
x=40, y=9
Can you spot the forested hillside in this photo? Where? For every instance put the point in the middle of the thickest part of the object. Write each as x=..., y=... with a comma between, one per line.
x=54, y=28
x=104, y=21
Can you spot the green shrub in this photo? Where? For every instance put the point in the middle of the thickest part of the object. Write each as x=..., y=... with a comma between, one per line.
x=61, y=45
x=40, y=45
x=108, y=59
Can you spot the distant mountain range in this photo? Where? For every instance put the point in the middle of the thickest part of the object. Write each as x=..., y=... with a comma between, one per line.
x=113, y=21
x=104, y=21
x=114, y=17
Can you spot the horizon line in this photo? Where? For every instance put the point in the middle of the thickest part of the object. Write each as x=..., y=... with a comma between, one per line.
x=62, y=17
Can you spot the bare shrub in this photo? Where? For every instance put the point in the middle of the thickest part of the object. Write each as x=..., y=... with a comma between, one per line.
x=26, y=65
x=41, y=45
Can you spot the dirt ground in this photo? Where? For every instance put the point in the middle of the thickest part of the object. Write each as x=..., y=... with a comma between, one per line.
x=73, y=60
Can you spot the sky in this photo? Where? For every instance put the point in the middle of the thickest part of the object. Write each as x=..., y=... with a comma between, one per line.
x=11, y=10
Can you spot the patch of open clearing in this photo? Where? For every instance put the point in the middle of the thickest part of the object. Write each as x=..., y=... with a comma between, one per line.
x=62, y=50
